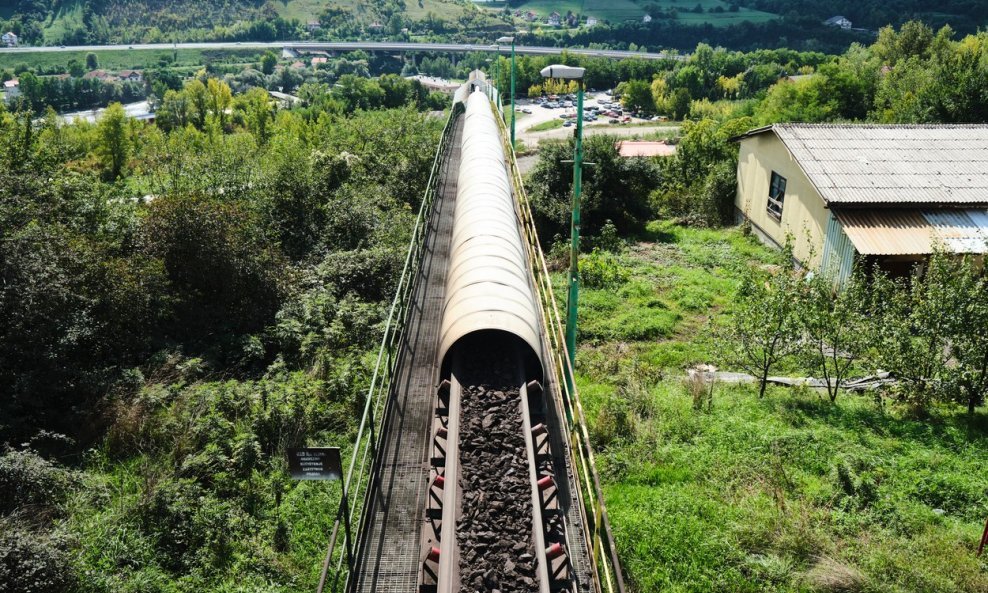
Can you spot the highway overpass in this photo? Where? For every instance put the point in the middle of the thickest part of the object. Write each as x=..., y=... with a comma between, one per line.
x=344, y=46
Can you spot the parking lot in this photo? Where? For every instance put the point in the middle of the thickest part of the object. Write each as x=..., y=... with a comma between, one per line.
x=530, y=114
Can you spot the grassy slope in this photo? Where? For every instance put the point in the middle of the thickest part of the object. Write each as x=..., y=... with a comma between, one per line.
x=788, y=493
x=68, y=17
x=620, y=10
x=305, y=10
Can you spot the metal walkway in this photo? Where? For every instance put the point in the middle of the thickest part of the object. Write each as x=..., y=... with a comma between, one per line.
x=389, y=561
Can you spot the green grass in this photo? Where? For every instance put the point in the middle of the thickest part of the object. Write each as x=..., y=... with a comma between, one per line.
x=305, y=10
x=551, y=124
x=68, y=18
x=788, y=493
x=622, y=10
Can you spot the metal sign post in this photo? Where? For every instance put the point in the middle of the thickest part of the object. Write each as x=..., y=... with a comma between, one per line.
x=324, y=463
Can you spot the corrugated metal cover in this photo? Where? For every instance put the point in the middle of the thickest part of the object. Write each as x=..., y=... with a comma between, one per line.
x=891, y=164
x=887, y=232
x=488, y=285
x=915, y=232
x=959, y=231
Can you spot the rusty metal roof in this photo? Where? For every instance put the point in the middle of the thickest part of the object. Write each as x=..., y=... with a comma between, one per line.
x=915, y=232
x=890, y=164
x=633, y=148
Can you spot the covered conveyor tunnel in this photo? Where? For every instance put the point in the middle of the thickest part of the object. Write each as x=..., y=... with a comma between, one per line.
x=489, y=297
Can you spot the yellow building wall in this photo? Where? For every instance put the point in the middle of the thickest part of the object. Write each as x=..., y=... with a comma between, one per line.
x=804, y=215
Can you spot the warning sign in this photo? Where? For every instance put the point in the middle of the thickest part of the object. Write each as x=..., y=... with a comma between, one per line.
x=315, y=463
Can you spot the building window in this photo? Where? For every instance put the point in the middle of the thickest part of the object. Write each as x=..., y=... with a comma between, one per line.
x=776, y=195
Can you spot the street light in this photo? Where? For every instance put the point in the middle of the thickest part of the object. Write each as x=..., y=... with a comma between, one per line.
x=510, y=40
x=572, y=73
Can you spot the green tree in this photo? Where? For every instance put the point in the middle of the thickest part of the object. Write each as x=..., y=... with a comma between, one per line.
x=76, y=68
x=764, y=327
x=113, y=140
x=614, y=189
x=255, y=105
x=92, y=61
x=968, y=378
x=804, y=100
x=917, y=322
x=837, y=325
x=636, y=95
x=268, y=61
x=680, y=107
x=225, y=276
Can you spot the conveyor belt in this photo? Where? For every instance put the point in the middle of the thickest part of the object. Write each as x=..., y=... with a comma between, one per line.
x=389, y=561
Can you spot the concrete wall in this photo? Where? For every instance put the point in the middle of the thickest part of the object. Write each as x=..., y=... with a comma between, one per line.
x=804, y=215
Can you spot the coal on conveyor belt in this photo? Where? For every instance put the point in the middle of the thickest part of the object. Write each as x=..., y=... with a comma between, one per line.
x=494, y=533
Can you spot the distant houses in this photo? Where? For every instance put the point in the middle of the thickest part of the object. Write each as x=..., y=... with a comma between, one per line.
x=9, y=39
x=555, y=19
x=838, y=21
x=11, y=90
x=591, y=21
x=647, y=18
x=131, y=76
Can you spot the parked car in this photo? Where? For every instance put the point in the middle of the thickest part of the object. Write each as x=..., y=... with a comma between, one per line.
x=526, y=110
x=613, y=121
x=567, y=123
x=567, y=103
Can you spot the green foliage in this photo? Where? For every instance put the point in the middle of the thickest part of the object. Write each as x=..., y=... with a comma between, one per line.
x=804, y=100
x=765, y=321
x=837, y=326
x=30, y=563
x=268, y=61
x=636, y=95
x=113, y=137
x=600, y=269
x=31, y=483
x=614, y=188
x=222, y=273
x=699, y=182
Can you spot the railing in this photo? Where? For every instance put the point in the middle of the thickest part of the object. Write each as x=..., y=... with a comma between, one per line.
x=602, y=549
x=367, y=445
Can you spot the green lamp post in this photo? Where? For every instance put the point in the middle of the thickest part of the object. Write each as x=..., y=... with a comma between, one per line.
x=572, y=73
x=510, y=40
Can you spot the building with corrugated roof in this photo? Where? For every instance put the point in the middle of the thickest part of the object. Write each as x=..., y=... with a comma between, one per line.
x=890, y=193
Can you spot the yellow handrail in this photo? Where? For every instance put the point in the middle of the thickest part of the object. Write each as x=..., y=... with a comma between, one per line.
x=600, y=540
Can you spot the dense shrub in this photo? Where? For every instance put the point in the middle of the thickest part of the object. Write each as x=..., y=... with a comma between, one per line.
x=614, y=189
x=33, y=563
x=27, y=480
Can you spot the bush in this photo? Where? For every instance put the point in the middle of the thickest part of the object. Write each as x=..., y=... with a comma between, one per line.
x=601, y=269
x=27, y=480
x=30, y=563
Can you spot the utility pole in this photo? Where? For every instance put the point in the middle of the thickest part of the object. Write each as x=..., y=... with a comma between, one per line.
x=572, y=302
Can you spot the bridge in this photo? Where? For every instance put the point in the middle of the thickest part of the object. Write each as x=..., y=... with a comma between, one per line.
x=472, y=468
x=347, y=46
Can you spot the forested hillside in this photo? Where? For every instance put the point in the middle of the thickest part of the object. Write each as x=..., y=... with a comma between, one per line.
x=68, y=22
x=178, y=304
x=797, y=24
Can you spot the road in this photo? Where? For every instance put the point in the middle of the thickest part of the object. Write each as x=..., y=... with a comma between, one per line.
x=138, y=109
x=348, y=46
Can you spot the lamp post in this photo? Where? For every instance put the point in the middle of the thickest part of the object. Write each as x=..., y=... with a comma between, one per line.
x=510, y=40
x=572, y=73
